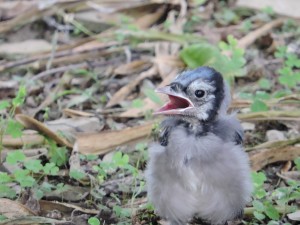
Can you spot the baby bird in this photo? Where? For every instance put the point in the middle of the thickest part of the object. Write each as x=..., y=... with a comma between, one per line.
x=199, y=168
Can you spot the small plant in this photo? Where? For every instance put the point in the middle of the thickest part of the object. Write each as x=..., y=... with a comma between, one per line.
x=9, y=125
x=271, y=204
x=289, y=73
x=119, y=161
x=94, y=221
x=228, y=59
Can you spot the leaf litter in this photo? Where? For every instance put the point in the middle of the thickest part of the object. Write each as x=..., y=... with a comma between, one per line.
x=89, y=68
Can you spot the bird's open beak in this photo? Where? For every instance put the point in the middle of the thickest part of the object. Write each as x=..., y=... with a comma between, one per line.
x=177, y=105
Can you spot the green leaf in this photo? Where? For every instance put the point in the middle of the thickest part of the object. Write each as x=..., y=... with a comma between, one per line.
x=20, y=98
x=6, y=192
x=14, y=128
x=14, y=157
x=137, y=103
x=272, y=222
x=245, y=95
x=288, y=80
x=258, y=178
x=297, y=163
x=281, y=93
x=93, y=221
x=91, y=157
x=58, y=155
x=262, y=95
x=22, y=176
x=292, y=61
x=259, y=215
x=38, y=194
x=4, y=178
x=34, y=165
x=153, y=96
x=208, y=55
x=271, y=211
x=260, y=193
x=2, y=217
x=259, y=206
x=200, y=55
x=264, y=83
x=77, y=175
x=4, y=105
x=258, y=106
x=281, y=52
x=268, y=10
x=51, y=169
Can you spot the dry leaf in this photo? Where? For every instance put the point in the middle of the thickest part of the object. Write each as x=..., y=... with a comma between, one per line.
x=294, y=216
x=104, y=142
x=75, y=125
x=286, y=7
x=149, y=19
x=12, y=209
x=262, y=157
x=167, y=63
x=31, y=123
x=25, y=47
x=132, y=67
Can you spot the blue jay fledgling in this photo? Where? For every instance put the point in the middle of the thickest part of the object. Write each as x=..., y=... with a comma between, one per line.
x=199, y=169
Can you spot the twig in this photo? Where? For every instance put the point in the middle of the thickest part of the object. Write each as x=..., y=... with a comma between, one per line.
x=282, y=210
x=59, y=70
x=254, y=35
x=60, y=54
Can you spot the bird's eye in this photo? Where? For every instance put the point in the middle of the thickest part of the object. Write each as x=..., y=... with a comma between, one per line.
x=199, y=93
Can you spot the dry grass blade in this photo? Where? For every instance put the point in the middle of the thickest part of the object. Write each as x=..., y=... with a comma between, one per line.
x=124, y=91
x=271, y=115
x=274, y=144
x=104, y=142
x=31, y=123
x=132, y=67
x=77, y=113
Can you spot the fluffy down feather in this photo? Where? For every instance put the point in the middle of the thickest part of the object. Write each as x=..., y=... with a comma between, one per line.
x=202, y=176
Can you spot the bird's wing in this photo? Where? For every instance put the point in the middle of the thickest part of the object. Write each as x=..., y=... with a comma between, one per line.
x=229, y=128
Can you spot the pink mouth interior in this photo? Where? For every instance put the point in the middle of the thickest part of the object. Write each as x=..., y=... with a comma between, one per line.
x=175, y=103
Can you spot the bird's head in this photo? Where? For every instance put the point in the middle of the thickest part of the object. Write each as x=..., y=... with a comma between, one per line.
x=196, y=94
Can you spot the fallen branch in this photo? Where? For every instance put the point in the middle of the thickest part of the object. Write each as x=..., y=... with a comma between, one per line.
x=261, y=158
x=25, y=139
x=254, y=35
